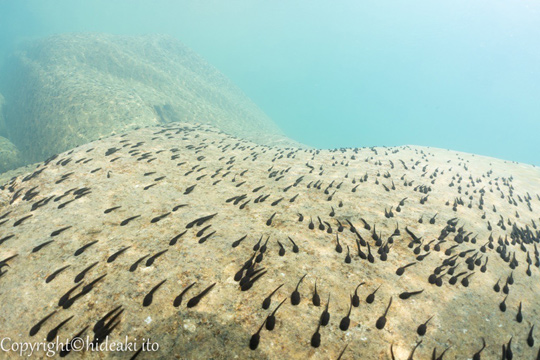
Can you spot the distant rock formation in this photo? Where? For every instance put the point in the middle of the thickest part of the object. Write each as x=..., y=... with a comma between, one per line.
x=66, y=90
x=10, y=157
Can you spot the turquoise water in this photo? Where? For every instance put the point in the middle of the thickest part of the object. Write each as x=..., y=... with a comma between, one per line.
x=461, y=75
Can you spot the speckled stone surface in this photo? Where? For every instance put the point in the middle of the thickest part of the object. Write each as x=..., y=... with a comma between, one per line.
x=150, y=172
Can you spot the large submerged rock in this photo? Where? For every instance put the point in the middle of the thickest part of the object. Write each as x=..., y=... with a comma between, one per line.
x=121, y=236
x=67, y=90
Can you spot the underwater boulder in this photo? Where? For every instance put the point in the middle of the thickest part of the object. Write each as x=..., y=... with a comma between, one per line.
x=193, y=238
x=67, y=90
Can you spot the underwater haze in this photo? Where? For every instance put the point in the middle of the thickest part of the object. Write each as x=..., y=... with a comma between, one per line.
x=278, y=179
x=460, y=75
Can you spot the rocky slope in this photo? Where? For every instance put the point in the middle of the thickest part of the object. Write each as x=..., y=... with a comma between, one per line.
x=132, y=229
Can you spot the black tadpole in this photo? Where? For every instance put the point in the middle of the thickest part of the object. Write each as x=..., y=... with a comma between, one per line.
x=325, y=316
x=245, y=286
x=406, y=294
x=401, y=269
x=81, y=275
x=519, y=316
x=269, y=221
x=255, y=338
x=34, y=330
x=530, y=338
x=476, y=356
x=258, y=244
x=411, y=356
x=178, y=300
x=84, y=247
x=133, y=267
x=101, y=322
x=356, y=298
x=316, y=299
x=116, y=254
x=423, y=327
x=268, y=300
x=295, y=296
x=440, y=356
x=174, y=240
x=281, y=251
x=497, y=287
x=149, y=297
x=371, y=297
x=339, y=249
x=54, y=274
x=345, y=322
x=502, y=305
x=295, y=247
x=382, y=320
x=316, y=337
x=237, y=242
x=509, y=353
x=271, y=319
x=52, y=334
x=195, y=300
x=151, y=259
x=66, y=296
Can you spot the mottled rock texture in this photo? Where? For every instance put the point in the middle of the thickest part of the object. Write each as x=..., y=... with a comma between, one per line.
x=175, y=199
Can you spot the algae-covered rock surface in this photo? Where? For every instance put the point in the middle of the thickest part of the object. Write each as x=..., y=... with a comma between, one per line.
x=69, y=89
x=178, y=234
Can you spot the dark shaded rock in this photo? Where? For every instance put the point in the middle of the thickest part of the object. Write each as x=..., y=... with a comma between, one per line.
x=10, y=158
